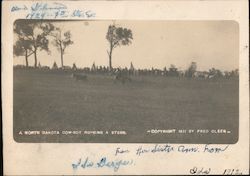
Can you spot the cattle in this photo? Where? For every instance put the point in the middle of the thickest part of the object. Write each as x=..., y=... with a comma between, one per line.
x=211, y=76
x=123, y=78
x=181, y=74
x=45, y=68
x=66, y=68
x=79, y=77
x=201, y=75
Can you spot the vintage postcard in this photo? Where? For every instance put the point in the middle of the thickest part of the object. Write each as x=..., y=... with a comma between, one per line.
x=125, y=87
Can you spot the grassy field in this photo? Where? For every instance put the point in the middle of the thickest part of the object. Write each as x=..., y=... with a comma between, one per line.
x=55, y=101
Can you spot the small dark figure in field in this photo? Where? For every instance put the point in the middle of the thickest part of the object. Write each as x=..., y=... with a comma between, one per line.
x=78, y=76
x=123, y=78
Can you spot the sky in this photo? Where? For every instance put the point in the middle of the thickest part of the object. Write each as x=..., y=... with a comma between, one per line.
x=155, y=44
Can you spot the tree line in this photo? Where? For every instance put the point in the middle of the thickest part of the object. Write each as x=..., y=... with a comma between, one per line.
x=172, y=71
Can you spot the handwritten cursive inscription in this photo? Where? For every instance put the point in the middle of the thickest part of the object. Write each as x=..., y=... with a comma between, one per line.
x=120, y=151
x=167, y=148
x=55, y=10
x=104, y=162
x=210, y=149
x=200, y=171
x=232, y=172
x=160, y=149
x=18, y=8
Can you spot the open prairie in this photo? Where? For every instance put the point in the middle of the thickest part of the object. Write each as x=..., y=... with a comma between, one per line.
x=46, y=100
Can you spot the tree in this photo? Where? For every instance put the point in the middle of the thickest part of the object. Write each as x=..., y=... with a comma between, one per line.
x=215, y=72
x=35, y=34
x=74, y=67
x=132, y=68
x=165, y=70
x=54, y=67
x=93, y=68
x=23, y=47
x=212, y=71
x=235, y=72
x=117, y=36
x=62, y=41
x=173, y=71
x=191, y=69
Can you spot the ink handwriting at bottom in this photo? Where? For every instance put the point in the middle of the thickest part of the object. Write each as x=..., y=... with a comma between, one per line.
x=199, y=171
x=104, y=162
x=232, y=172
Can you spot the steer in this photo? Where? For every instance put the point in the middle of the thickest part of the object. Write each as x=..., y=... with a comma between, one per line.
x=78, y=77
x=122, y=77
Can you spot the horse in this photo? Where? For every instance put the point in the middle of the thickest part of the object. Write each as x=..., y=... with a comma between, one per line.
x=80, y=77
x=122, y=78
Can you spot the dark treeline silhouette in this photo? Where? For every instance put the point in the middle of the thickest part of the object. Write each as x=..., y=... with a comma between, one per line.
x=172, y=71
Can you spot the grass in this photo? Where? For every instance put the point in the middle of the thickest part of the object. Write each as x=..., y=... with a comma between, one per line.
x=55, y=101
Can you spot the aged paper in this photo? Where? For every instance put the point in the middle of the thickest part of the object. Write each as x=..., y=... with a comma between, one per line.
x=125, y=87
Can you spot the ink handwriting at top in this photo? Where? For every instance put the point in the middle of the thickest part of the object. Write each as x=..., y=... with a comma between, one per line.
x=52, y=11
x=18, y=8
x=45, y=7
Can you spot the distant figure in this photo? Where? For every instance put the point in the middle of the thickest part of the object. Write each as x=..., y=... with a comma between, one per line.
x=45, y=68
x=122, y=78
x=79, y=77
x=66, y=68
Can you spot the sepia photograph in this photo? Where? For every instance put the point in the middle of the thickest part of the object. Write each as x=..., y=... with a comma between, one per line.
x=127, y=87
x=126, y=81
